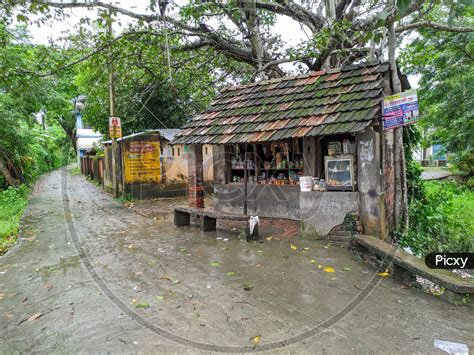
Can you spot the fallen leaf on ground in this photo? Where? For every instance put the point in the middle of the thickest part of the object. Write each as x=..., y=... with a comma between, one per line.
x=329, y=269
x=214, y=263
x=255, y=340
x=143, y=305
x=258, y=265
x=196, y=315
x=269, y=238
x=231, y=273
x=183, y=250
x=306, y=248
x=130, y=246
x=326, y=247
x=348, y=268
x=313, y=261
x=167, y=278
x=383, y=274
x=320, y=266
x=247, y=287
x=34, y=316
x=175, y=282
x=160, y=298
x=293, y=247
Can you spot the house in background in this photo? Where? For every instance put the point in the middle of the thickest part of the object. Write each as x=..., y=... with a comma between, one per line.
x=86, y=137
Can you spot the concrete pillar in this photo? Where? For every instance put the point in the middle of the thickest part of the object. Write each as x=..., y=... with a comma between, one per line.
x=195, y=176
x=369, y=180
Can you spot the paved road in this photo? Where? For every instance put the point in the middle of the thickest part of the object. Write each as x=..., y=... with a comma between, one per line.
x=435, y=175
x=91, y=276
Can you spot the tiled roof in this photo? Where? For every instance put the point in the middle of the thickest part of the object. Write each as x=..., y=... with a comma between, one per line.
x=342, y=100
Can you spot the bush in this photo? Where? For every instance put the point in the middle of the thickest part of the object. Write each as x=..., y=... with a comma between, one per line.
x=441, y=220
x=12, y=204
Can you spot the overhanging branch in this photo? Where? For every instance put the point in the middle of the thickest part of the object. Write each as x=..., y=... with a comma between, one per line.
x=434, y=25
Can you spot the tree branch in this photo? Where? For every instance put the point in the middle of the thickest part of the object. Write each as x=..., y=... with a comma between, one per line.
x=434, y=25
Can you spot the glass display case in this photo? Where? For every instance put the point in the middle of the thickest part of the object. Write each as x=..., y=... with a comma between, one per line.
x=339, y=172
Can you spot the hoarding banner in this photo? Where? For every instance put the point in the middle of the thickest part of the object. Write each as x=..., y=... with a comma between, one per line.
x=400, y=109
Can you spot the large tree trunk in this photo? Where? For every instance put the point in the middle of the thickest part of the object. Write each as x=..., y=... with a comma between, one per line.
x=401, y=198
x=249, y=11
x=4, y=170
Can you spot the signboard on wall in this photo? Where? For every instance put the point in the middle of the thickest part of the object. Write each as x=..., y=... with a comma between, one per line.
x=400, y=109
x=115, y=128
x=142, y=162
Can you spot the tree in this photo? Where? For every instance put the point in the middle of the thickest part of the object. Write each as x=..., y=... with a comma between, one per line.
x=445, y=62
x=242, y=30
x=25, y=149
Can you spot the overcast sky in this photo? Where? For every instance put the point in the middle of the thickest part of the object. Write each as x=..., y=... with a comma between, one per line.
x=289, y=30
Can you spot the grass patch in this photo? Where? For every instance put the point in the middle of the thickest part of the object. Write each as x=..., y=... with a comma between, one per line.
x=442, y=220
x=12, y=204
x=75, y=171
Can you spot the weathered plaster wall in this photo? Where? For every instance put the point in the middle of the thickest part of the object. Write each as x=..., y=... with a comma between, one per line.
x=263, y=200
x=369, y=182
x=176, y=166
x=320, y=212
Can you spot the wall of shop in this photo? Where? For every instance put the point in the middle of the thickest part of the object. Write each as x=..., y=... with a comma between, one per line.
x=175, y=164
x=278, y=201
x=319, y=212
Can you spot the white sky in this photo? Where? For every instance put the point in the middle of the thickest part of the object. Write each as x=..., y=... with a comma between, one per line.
x=289, y=30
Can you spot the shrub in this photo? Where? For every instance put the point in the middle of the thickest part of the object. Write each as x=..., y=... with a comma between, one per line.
x=441, y=220
x=12, y=204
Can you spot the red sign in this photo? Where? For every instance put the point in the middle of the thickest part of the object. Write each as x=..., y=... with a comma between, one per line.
x=115, y=128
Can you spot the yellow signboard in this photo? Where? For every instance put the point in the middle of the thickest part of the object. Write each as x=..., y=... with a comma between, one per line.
x=142, y=162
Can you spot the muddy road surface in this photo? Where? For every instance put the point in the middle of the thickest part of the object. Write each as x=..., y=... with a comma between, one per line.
x=90, y=275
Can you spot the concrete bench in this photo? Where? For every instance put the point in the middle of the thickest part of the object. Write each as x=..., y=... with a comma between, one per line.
x=415, y=266
x=182, y=217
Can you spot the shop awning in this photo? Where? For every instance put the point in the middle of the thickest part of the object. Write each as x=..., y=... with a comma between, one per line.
x=342, y=100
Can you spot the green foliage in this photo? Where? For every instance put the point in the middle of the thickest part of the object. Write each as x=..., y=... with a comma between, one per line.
x=32, y=149
x=442, y=220
x=412, y=139
x=12, y=203
x=445, y=62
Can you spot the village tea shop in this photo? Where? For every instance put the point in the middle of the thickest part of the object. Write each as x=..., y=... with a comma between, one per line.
x=269, y=136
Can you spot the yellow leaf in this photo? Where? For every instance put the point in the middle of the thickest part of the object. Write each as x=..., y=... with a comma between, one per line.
x=255, y=339
x=383, y=274
x=306, y=248
x=269, y=238
x=320, y=266
x=329, y=269
x=293, y=247
x=313, y=261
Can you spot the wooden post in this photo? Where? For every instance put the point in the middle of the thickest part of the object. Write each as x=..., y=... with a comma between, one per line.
x=245, y=179
x=195, y=176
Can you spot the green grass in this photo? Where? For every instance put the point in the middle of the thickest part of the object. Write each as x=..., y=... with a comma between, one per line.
x=442, y=220
x=75, y=171
x=12, y=204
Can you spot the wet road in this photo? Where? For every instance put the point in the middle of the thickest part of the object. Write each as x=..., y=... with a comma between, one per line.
x=91, y=276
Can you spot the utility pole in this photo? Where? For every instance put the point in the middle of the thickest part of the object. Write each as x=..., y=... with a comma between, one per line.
x=115, y=160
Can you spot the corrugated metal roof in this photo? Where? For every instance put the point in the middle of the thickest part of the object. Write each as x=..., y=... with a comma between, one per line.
x=339, y=100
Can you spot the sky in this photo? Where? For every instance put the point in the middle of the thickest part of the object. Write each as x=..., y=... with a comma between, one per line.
x=289, y=30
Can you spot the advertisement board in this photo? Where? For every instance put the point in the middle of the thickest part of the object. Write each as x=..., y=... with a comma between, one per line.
x=400, y=109
x=142, y=162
